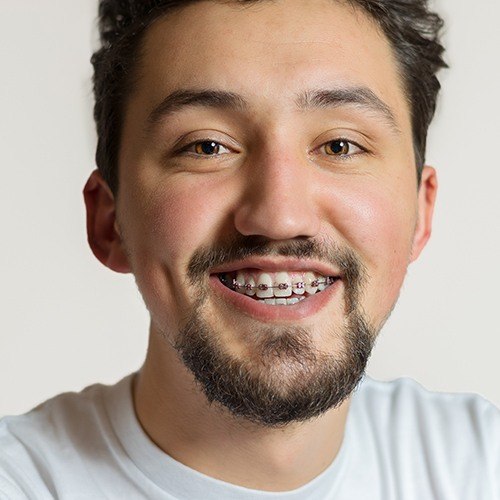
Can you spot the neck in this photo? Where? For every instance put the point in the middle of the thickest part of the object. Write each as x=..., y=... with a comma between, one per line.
x=178, y=418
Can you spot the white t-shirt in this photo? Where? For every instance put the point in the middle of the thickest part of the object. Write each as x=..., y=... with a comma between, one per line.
x=401, y=443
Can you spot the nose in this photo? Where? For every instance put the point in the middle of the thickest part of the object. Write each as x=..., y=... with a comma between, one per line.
x=278, y=198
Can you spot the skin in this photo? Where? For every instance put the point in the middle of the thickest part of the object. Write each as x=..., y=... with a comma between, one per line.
x=275, y=181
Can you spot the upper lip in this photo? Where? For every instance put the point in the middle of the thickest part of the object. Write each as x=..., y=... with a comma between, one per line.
x=273, y=264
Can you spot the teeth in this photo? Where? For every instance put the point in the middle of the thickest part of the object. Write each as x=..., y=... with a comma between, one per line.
x=250, y=291
x=282, y=285
x=264, y=284
x=240, y=282
x=311, y=280
x=283, y=302
x=276, y=285
x=298, y=285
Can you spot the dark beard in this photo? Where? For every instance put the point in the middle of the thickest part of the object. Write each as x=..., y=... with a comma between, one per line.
x=286, y=379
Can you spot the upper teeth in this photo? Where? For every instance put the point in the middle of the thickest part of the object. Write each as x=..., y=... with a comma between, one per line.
x=281, y=284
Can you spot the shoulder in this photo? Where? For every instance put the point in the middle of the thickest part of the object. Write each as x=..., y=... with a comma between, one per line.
x=444, y=436
x=59, y=431
x=58, y=417
x=406, y=397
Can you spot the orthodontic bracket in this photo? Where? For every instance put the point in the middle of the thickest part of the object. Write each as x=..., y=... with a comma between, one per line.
x=282, y=286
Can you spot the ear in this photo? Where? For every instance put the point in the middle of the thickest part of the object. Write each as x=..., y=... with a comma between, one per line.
x=426, y=201
x=103, y=236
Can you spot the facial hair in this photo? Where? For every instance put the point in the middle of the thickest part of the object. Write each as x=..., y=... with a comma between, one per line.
x=286, y=379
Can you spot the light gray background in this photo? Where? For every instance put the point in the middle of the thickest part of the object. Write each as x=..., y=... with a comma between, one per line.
x=67, y=322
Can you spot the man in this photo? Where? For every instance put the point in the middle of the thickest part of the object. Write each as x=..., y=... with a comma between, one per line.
x=261, y=172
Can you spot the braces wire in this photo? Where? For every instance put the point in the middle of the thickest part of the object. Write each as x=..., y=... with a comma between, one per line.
x=282, y=286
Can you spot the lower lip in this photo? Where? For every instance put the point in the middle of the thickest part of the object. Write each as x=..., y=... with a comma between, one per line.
x=260, y=310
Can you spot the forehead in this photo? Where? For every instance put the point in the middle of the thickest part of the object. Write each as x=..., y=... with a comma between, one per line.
x=269, y=52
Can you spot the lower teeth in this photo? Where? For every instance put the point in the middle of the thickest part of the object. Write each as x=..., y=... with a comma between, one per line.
x=281, y=302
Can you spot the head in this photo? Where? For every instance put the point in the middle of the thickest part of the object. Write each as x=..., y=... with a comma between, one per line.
x=412, y=30
x=245, y=143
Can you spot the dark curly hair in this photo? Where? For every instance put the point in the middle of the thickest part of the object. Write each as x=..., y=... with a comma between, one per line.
x=411, y=28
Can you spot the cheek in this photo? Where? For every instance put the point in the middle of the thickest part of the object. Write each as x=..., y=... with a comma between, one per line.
x=378, y=223
x=161, y=233
x=184, y=218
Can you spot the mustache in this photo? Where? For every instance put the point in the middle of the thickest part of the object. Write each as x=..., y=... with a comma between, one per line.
x=240, y=247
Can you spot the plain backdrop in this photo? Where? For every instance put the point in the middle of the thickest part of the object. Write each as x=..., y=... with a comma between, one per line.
x=67, y=322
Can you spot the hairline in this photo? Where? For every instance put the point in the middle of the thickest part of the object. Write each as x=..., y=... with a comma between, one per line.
x=146, y=28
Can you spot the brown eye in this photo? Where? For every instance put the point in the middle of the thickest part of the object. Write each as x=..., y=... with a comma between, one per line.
x=207, y=148
x=338, y=147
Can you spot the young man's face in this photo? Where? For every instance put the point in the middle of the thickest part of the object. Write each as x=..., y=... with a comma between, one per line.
x=293, y=157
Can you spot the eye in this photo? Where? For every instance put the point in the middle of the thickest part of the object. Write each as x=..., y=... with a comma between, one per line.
x=342, y=148
x=206, y=148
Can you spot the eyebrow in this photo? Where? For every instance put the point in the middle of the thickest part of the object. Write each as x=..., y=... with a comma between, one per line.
x=218, y=99
x=361, y=97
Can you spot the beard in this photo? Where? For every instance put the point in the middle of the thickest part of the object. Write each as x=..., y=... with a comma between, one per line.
x=286, y=378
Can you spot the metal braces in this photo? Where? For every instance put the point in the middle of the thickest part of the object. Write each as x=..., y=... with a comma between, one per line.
x=282, y=286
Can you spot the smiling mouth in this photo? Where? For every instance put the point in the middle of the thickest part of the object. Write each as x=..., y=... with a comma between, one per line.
x=280, y=288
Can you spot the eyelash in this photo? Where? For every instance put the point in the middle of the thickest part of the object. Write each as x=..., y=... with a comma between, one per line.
x=343, y=157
